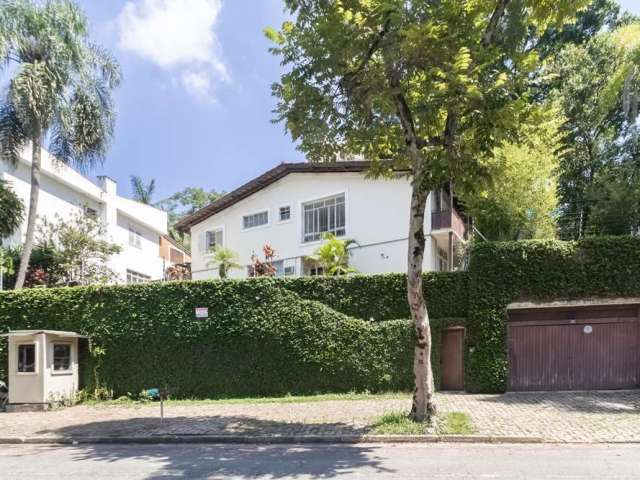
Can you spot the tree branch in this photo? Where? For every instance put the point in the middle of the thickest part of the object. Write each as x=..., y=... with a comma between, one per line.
x=490, y=32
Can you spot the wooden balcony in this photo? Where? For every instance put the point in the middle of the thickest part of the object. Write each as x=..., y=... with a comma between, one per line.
x=448, y=220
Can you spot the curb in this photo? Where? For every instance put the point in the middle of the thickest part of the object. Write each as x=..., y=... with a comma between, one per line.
x=266, y=439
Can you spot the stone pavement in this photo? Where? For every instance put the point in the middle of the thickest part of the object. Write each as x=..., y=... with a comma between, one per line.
x=561, y=417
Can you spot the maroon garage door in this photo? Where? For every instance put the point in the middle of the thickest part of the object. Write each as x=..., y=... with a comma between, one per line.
x=574, y=349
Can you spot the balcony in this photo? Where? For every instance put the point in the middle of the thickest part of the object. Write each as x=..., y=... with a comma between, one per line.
x=448, y=220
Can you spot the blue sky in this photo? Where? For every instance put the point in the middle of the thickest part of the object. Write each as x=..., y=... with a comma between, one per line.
x=195, y=105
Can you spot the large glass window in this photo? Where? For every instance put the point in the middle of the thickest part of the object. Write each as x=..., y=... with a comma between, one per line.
x=324, y=216
x=27, y=358
x=61, y=357
x=255, y=220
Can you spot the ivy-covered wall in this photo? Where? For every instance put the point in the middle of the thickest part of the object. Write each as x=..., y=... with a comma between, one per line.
x=384, y=297
x=259, y=339
x=501, y=273
x=278, y=336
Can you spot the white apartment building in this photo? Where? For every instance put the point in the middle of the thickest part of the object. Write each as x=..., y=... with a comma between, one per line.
x=291, y=206
x=135, y=227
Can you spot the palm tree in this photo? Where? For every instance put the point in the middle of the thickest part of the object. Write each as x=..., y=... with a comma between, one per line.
x=11, y=210
x=142, y=193
x=226, y=260
x=333, y=255
x=60, y=88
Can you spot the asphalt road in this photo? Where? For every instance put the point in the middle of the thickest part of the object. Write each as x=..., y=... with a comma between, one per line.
x=434, y=461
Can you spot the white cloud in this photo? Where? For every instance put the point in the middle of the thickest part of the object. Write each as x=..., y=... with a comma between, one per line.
x=178, y=36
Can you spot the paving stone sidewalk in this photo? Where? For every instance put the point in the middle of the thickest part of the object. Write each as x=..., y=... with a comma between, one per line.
x=562, y=417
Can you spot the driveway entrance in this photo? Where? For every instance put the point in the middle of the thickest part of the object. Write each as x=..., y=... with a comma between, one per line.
x=585, y=348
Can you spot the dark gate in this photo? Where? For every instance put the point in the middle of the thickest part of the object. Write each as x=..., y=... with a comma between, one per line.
x=579, y=349
x=452, y=359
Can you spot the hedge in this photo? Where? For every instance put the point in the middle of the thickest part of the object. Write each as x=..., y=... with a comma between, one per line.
x=278, y=336
x=501, y=273
x=384, y=297
x=259, y=339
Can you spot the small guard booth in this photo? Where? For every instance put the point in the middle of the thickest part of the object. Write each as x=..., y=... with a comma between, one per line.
x=43, y=368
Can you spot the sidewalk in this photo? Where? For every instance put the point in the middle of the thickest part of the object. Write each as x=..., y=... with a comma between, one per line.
x=554, y=417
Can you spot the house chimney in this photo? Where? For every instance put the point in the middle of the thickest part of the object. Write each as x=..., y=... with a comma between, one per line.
x=108, y=185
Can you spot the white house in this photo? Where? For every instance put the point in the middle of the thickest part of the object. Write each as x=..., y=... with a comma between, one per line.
x=65, y=192
x=291, y=206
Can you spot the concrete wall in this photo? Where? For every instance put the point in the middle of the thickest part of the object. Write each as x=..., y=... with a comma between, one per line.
x=377, y=217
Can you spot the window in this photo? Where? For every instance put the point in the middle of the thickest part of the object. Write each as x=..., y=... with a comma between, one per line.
x=324, y=216
x=285, y=213
x=213, y=239
x=27, y=358
x=135, y=277
x=176, y=256
x=443, y=260
x=284, y=268
x=135, y=238
x=91, y=213
x=316, y=271
x=255, y=220
x=61, y=357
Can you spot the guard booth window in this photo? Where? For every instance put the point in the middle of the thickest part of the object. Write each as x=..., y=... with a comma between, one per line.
x=27, y=358
x=61, y=357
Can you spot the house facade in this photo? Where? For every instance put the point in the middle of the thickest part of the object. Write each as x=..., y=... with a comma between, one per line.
x=292, y=206
x=64, y=192
x=172, y=252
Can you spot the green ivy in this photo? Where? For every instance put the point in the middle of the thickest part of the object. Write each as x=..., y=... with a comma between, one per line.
x=311, y=335
x=544, y=270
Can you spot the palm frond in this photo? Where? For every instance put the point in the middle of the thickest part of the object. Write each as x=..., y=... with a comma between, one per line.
x=142, y=192
x=13, y=137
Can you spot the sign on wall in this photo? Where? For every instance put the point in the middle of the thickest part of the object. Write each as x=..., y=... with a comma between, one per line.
x=202, y=312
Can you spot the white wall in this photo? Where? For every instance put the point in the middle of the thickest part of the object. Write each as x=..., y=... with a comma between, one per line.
x=377, y=217
x=65, y=192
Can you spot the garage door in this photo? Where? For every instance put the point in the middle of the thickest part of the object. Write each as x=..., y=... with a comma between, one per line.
x=574, y=349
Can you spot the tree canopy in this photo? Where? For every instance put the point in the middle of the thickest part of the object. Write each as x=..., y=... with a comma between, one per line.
x=432, y=86
x=60, y=86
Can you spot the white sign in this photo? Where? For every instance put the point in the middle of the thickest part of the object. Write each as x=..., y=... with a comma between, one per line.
x=588, y=329
x=202, y=312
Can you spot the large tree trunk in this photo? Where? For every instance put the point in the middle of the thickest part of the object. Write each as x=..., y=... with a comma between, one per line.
x=33, y=210
x=423, y=397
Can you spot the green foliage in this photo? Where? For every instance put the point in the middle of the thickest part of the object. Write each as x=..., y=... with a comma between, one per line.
x=274, y=336
x=185, y=202
x=259, y=339
x=456, y=423
x=142, y=192
x=11, y=210
x=225, y=260
x=384, y=297
x=79, y=254
x=501, y=273
x=432, y=86
x=398, y=423
x=520, y=201
x=61, y=85
x=333, y=255
x=597, y=88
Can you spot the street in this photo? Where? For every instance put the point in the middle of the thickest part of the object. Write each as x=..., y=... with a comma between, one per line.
x=432, y=461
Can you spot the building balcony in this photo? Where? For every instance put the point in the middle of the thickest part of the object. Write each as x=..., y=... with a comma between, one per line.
x=448, y=221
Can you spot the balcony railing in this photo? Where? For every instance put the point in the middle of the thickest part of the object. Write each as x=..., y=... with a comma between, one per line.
x=448, y=219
